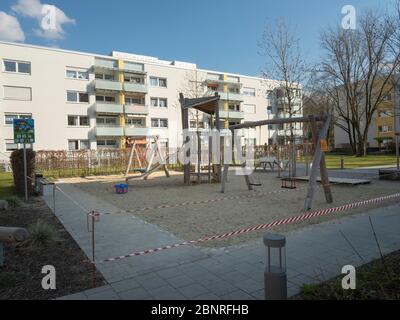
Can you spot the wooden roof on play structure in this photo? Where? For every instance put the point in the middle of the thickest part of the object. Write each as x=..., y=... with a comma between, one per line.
x=204, y=104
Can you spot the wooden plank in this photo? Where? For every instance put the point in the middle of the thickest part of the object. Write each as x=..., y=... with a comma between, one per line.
x=254, y=124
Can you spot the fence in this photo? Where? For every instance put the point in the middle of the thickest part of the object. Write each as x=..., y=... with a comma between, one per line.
x=86, y=162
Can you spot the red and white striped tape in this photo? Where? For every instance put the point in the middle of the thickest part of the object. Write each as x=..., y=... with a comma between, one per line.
x=289, y=220
x=190, y=203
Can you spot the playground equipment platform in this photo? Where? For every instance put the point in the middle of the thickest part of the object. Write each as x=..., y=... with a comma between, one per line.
x=353, y=182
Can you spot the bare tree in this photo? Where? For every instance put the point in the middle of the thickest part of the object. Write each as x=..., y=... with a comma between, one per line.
x=285, y=63
x=360, y=65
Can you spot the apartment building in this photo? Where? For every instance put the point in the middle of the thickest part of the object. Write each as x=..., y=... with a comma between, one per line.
x=381, y=133
x=88, y=101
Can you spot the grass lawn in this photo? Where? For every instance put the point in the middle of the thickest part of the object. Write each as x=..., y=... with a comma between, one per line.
x=350, y=162
x=6, y=185
x=377, y=280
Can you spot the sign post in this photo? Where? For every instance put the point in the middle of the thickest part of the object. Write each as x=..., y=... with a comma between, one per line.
x=24, y=132
x=397, y=117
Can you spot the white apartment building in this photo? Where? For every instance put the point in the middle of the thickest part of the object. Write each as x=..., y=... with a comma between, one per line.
x=89, y=101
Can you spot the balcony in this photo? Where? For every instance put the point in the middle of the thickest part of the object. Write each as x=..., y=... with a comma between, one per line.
x=109, y=131
x=136, y=109
x=284, y=100
x=137, y=131
x=231, y=114
x=108, y=107
x=135, y=87
x=107, y=85
x=286, y=133
x=231, y=96
x=105, y=64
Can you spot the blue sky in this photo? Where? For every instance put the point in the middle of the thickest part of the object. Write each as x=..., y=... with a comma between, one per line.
x=215, y=34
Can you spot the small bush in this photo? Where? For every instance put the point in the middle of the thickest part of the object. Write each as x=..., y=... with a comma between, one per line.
x=13, y=201
x=17, y=165
x=40, y=234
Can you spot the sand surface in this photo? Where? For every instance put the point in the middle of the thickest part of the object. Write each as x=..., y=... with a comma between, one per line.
x=195, y=221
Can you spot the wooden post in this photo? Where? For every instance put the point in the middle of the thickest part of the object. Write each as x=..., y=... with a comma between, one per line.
x=319, y=161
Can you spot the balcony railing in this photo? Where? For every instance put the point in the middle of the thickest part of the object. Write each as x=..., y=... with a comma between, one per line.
x=109, y=131
x=103, y=107
x=132, y=131
x=136, y=109
x=285, y=100
x=231, y=96
x=231, y=114
x=107, y=85
x=135, y=87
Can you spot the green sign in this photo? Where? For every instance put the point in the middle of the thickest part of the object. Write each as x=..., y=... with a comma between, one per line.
x=24, y=131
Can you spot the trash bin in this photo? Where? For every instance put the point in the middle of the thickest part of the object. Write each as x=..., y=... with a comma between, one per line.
x=38, y=183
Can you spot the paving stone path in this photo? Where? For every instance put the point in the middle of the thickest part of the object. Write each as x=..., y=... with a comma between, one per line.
x=314, y=254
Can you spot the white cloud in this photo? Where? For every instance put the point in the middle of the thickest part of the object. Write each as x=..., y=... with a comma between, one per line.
x=50, y=18
x=10, y=29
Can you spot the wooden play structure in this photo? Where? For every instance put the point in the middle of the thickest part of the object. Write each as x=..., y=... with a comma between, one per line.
x=210, y=172
x=149, y=169
x=318, y=163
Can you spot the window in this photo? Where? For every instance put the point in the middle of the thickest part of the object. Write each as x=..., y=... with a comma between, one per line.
x=159, y=123
x=135, y=122
x=385, y=129
x=105, y=99
x=159, y=102
x=78, y=145
x=234, y=107
x=134, y=100
x=106, y=144
x=9, y=118
x=103, y=76
x=73, y=144
x=251, y=92
x=17, y=66
x=77, y=97
x=11, y=146
x=84, y=145
x=158, y=82
x=74, y=121
x=107, y=121
x=387, y=97
x=249, y=108
x=83, y=121
x=77, y=74
x=18, y=93
x=133, y=79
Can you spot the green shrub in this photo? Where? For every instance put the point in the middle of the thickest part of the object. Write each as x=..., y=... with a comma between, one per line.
x=40, y=234
x=13, y=201
x=17, y=165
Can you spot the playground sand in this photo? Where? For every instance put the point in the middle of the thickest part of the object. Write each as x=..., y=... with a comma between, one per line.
x=196, y=221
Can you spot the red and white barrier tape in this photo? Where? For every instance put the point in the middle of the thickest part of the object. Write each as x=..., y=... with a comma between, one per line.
x=289, y=220
x=190, y=203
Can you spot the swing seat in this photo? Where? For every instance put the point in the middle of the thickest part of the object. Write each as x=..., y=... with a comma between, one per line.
x=256, y=184
x=141, y=170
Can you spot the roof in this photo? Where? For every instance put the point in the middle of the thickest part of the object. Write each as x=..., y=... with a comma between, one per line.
x=204, y=104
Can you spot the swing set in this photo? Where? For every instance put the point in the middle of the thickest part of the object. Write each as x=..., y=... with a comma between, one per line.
x=149, y=169
x=319, y=139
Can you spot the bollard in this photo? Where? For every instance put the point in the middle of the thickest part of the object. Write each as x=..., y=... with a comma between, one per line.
x=275, y=278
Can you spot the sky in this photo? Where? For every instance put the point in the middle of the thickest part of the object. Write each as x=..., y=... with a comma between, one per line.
x=215, y=34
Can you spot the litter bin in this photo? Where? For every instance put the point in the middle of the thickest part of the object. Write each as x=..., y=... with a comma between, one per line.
x=38, y=183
